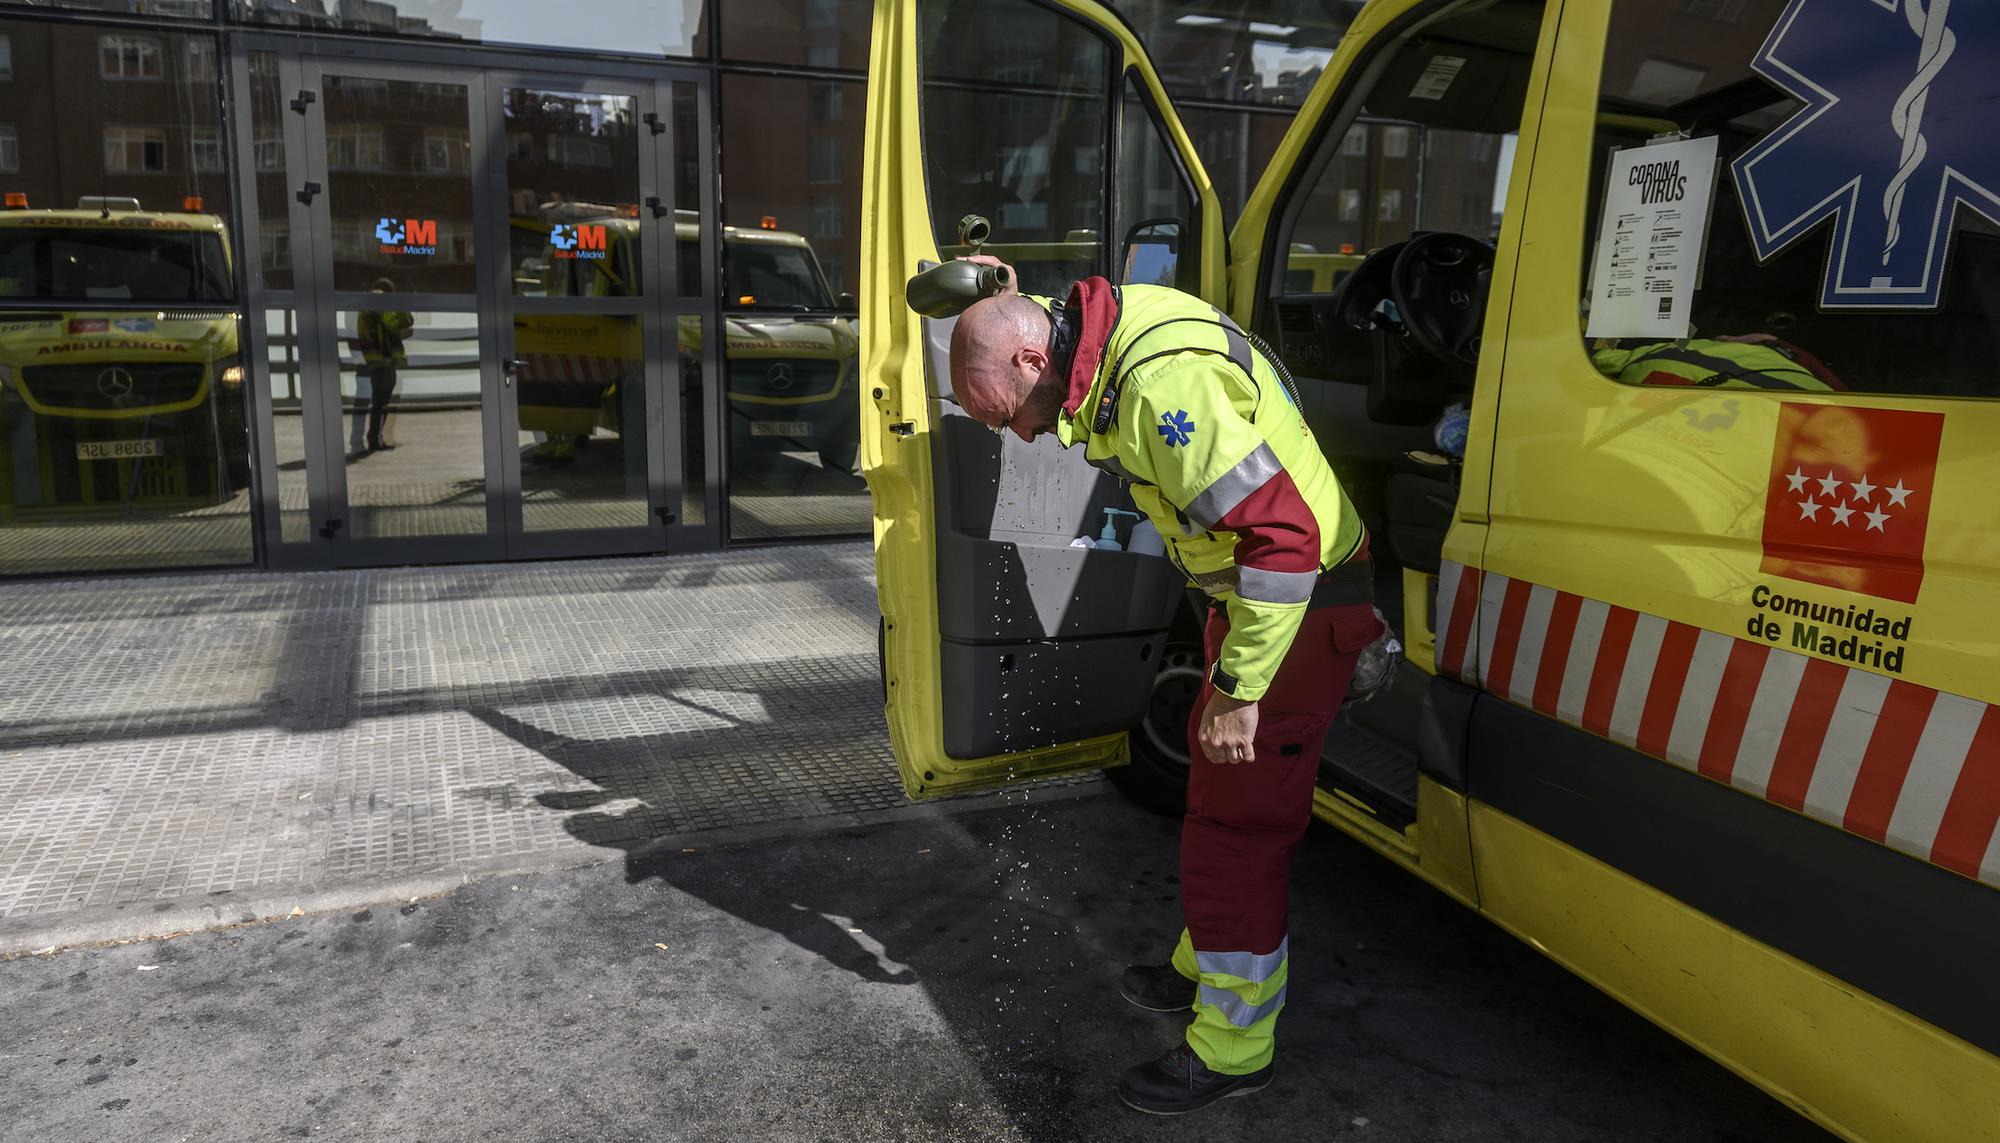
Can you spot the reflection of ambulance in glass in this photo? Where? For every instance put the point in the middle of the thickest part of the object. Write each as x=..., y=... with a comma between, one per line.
x=790, y=360
x=115, y=409
x=577, y=370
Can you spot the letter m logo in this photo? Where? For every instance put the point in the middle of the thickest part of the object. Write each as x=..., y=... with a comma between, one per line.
x=421, y=232
x=590, y=237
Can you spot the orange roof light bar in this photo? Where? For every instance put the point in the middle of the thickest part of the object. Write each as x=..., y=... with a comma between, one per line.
x=17, y=200
x=768, y=222
x=191, y=204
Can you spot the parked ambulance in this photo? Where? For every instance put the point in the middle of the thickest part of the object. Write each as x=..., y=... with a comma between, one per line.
x=104, y=410
x=1679, y=490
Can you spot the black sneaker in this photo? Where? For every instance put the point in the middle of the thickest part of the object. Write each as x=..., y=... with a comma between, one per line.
x=1157, y=988
x=1179, y=1082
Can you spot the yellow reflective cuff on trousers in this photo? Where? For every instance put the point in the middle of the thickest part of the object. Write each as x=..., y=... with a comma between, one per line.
x=1236, y=1006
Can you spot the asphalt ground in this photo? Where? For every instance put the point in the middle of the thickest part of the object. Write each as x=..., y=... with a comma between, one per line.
x=944, y=973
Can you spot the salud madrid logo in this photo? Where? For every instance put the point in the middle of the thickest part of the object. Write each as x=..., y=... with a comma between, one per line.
x=581, y=241
x=407, y=235
x=1892, y=140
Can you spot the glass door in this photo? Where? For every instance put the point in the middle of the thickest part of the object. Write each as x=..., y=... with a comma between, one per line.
x=491, y=308
x=403, y=381
x=594, y=358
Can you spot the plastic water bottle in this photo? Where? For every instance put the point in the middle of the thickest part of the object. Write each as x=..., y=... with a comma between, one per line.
x=1375, y=667
x=1146, y=540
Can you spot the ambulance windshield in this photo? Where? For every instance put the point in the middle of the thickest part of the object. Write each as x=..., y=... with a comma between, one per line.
x=73, y=262
x=772, y=277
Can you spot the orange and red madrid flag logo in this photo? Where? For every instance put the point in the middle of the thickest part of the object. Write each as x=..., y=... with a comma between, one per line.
x=1849, y=498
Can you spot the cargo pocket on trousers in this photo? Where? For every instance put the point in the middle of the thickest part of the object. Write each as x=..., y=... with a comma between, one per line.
x=1354, y=627
x=1273, y=791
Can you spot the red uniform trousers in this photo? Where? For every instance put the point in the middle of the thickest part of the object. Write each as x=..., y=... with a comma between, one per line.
x=1243, y=823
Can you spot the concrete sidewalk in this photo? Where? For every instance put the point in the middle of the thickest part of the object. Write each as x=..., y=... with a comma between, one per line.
x=209, y=747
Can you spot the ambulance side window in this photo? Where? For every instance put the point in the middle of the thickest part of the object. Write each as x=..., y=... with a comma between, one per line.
x=1157, y=211
x=1016, y=128
x=1828, y=264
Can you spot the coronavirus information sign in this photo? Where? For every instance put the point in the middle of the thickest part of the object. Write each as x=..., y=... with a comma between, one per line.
x=1650, y=238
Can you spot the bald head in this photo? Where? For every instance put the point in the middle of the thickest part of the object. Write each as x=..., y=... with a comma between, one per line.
x=1000, y=365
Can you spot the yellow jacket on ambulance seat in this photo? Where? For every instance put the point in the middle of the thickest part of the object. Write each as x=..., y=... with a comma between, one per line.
x=1751, y=362
x=1166, y=392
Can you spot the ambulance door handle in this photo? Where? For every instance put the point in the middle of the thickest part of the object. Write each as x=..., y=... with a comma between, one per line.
x=303, y=100
x=654, y=204
x=652, y=120
x=306, y=193
x=510, y=368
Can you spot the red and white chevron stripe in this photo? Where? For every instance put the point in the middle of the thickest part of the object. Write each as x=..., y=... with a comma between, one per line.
x=1900, y=764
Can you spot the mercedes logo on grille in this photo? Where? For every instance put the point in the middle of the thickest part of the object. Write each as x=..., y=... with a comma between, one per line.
x=115, y=383
x=780, y=376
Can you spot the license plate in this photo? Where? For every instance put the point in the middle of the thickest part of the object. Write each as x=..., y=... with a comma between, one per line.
x=120, y=450
x=780, y=429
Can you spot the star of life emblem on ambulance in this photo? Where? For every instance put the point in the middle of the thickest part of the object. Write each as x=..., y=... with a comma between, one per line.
x=1849, y=500
x=1893, y=139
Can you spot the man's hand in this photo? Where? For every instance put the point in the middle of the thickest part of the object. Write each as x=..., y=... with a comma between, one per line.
x=1013, y=285
x=1228, y=728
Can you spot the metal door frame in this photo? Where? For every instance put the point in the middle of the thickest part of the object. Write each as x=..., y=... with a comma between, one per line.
x=302, y=63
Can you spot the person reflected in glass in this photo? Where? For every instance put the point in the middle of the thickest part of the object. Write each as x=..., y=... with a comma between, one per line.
x=381, y=334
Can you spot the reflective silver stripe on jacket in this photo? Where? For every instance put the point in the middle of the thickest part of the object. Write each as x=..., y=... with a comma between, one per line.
x=1253, y=967
x=1240, y=1012
x=1262, y=586
x=1233, y=487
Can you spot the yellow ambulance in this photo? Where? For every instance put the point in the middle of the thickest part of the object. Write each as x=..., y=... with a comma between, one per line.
x=105, y=410
x=1667, y=412
x=791, y=351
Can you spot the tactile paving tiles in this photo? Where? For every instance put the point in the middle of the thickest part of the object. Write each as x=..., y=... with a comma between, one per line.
x=184, y=735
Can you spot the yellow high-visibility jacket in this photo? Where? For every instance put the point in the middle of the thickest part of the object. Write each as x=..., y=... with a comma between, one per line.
x=1167, y=393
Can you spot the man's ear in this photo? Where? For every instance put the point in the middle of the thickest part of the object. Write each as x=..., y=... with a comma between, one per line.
x=1033, y=358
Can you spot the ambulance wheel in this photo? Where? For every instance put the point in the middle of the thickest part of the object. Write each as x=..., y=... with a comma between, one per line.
x=1157, y=776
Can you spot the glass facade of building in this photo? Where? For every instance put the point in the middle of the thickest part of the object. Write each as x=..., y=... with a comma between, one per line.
x=308, y=283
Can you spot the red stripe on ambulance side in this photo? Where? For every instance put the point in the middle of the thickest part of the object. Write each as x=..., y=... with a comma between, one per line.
x=1805, y=732
x=1458, y=631
x=1924, y=759
x=1507, y=636
x=1974, y=809
x=1731, y=715
x=1555, y=651
x=1663, y=696
x=1891, y=748
x=1609, y=668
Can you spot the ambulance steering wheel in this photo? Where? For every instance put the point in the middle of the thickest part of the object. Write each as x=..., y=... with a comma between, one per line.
x=1439, y=283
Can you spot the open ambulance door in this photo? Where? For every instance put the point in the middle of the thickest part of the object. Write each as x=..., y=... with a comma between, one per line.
x=1007, y=653
x=1375, y=256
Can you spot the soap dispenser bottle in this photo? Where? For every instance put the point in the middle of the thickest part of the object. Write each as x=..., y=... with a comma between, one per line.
x=1108, y=538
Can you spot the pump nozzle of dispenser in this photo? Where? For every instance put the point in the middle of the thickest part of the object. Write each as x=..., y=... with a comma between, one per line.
x=1108, y=538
